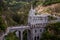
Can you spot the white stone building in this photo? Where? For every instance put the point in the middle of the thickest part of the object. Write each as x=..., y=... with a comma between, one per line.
x=37, y=24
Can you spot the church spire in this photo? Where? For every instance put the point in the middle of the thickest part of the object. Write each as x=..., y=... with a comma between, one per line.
x=31, y=7
x=32, y=11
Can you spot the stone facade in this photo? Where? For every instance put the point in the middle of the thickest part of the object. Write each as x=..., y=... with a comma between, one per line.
x=37, y=24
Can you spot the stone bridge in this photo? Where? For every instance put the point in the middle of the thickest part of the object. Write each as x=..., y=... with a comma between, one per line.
x=19, y=31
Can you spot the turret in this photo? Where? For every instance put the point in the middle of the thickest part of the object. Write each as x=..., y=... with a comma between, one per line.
x=32, y=11
x=31, y=14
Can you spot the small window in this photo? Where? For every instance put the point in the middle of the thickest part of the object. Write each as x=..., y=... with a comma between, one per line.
x=40, y=30
x=38, y=38
x=41, y=19
x=34, y=38
x=35, y=31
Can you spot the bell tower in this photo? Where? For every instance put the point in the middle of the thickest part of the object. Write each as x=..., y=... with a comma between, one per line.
x=36, y=23
x=30, y=15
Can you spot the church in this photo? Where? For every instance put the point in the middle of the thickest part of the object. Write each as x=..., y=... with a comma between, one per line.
x=35, y=27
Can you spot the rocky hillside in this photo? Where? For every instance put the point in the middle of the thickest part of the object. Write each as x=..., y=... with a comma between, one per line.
x=52, y=9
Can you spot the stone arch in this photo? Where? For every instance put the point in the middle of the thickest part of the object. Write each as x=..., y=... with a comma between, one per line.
x=13, y=32
x=19, y=35
x=29, y=34
x=26, y=34
x=37, y=37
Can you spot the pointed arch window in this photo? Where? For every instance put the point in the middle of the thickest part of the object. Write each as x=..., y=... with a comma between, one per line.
x=40, y=30
x=35, y=31
x=37, y=37
x=34, y=38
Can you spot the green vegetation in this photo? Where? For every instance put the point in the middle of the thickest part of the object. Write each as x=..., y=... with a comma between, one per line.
x=51, y=18
x=45, y=3
x=13, y=13
x=17, y=11
x=25, y=35
x=11, y=36
x=36, y=3
x=3, y=26
x=49, y=2
x=52, y=32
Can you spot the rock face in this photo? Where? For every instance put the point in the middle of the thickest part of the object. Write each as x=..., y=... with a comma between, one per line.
x=54, y=8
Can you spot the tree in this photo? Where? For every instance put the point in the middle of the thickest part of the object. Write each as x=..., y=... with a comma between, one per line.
x=52, y=32
x=11, y=36
x=2, y=23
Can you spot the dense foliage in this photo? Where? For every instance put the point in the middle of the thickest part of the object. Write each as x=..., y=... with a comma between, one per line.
x=17, y=12
x=11, y=36
x=25, y=35
x=52, y=32
x=3, y=26
x=51, y=18
x=49, y=2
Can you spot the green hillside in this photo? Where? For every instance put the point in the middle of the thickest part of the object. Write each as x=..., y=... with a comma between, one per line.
x=52, y=32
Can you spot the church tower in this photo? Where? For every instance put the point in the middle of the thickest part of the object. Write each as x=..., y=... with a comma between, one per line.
x=37, y=24
x=30, y=15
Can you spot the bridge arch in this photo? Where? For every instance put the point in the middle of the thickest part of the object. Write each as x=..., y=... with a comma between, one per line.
x=26, y=34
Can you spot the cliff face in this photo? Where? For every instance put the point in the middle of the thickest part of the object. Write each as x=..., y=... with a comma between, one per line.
x=52, y=9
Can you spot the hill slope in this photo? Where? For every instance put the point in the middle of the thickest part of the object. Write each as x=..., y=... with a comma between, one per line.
x=53, y=8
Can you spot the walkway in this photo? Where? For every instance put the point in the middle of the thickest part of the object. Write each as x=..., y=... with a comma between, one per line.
x=19, y=28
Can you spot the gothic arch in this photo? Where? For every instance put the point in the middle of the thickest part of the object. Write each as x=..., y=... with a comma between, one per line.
x=29, y=34
x=13, y=32
x=26, y=34
x=37, y=37
x=19, y=35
